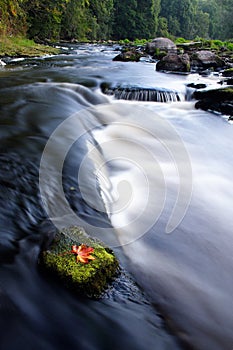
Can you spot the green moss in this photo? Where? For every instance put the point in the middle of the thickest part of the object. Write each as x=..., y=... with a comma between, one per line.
x=181, y=40
x=87, y=279
x=228, y=72
x=218, y=100
x=222, y=94
x=19, y=46
x=159, y=54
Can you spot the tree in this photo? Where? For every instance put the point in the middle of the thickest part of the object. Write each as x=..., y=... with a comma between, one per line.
x=135, y=19
x=180, y=16
x=147, y=18
x=44, y=18
x=162, y=29
x=116, y=19
x=125, y=19
x=75, y=21
x=12, y=17
x=101, y=13
x=220, y=18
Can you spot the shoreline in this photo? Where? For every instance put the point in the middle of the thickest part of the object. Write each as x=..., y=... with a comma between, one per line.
x=16, y=47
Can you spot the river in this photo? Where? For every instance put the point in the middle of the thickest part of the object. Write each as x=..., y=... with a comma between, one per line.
x=150, y=179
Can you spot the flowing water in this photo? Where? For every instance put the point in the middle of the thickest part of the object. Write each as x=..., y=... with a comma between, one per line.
x=150, y=179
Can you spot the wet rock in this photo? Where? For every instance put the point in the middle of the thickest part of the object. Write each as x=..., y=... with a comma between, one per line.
x=229, y=81
x=221, y=94
x=130, y=55
x=174, y=63
x=89, y=279
x=197, y=86
x=217, y=100
x=190, y=46
x=205, y=59
x=228, y=73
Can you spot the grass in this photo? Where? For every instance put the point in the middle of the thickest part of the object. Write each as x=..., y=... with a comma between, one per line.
x=19, y=46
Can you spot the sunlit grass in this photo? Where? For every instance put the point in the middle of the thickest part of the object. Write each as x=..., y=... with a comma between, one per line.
x=20, y=46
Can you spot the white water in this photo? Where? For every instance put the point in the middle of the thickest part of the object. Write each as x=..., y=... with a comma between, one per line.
x=167, y=168
x=188, y=273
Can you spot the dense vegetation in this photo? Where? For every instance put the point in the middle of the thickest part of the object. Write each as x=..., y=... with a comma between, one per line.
x=116, y=19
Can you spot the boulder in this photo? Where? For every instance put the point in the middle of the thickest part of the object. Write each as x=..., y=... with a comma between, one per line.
x=217, y=100
x=174, y=63
x=197, y=86
x=205, y=59
x=229, y=81
x=88, y=279
x=228, y=73
x=160, y=44
x=131, y=55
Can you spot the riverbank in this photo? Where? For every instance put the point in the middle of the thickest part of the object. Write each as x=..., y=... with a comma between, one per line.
x=19, y=46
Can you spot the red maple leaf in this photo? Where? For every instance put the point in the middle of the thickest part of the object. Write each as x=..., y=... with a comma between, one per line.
x=83, y=253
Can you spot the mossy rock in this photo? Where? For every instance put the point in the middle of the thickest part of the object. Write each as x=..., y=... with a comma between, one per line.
x=228, y=72
x=86, y=279
x=217, y=100
x=221, y=94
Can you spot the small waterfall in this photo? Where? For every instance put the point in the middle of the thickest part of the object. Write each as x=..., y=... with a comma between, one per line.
x=143, y=94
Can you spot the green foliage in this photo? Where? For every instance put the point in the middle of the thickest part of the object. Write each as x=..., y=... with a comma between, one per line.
x=124, y=22
x=75, y=22
x=135, y=19
x=117, y=19
x=125, y=41
x=190, y=18
x=217, y=43
x=44, y=18
x=229, y=46
x=140, y=41
x=12, y=17
x=101, y=13
x=136, y=42
x=163, y=27
x=220, y=17
x=159, y=54
x=181, y=40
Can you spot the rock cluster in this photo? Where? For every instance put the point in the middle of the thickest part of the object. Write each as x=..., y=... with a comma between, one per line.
x=185, y=57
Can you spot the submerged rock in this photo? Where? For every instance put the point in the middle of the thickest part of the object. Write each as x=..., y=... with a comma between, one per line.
x=89, y=279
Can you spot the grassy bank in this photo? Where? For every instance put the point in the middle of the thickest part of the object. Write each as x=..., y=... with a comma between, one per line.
x=18, y=46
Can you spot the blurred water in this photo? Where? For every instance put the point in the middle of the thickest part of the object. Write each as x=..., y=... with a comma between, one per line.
x=128, y=164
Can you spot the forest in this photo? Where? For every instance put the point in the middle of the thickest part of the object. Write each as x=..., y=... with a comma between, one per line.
x=116, y=19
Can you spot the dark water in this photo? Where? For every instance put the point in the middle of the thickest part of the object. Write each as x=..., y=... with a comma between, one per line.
x=71, y=155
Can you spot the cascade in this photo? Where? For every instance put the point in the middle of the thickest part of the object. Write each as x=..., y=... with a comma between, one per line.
x=144, y=94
